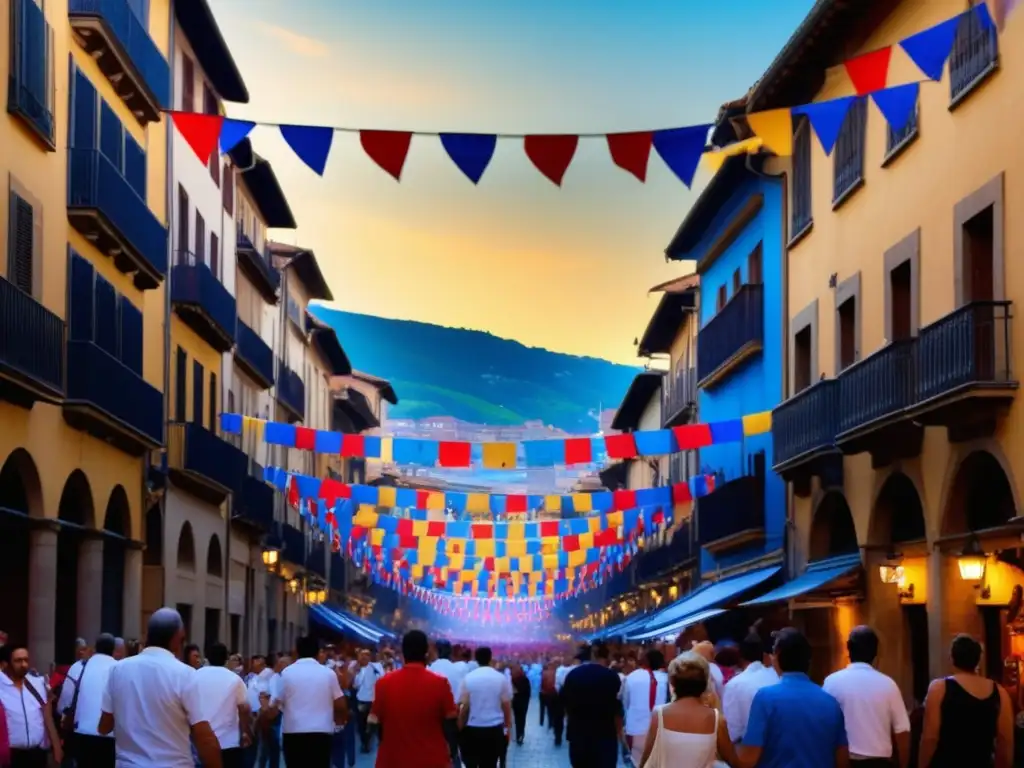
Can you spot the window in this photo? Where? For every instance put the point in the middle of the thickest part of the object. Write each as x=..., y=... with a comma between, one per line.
x=975, y=54
x=214, y=255
x=754, y=266
x=213, y=401
x=801, y=203
x=848, y=352
x=97, y=313
x=723, y=297
x=900, y=304
x=200, y=238
x=106, y=323
x=737, y=281
x=180, y=385
x=31, y=76
x=111, y=135
x=83, y=113
x=184, y=213
x=979, y=247
x=901, y=288
x=188, y=85
x=228, y=190
x=848, y=155
x=135, y=166
x=24, y=242
x=895, y=141
x=198, y=414
x=802, y=356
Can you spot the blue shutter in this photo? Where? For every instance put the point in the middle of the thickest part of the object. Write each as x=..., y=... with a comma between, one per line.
x=83, y=135
x=111, y=135
x=106, y=316
x=131, y=336
x=135, y=166
x=80, y=297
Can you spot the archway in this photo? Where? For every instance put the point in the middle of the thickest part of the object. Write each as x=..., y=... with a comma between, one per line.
x=154, y=552
x=980, y=497
x=152, y=563
x=77, y=517
x=898, y=516
x=214, y=559
x=116, y=523
x=20, y=500
x=832, y=529
x=186, y=560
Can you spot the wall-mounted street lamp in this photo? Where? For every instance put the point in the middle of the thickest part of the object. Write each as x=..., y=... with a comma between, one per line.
x=271, y=557
x=890, y=570
x=971, y=563
x=293, y=586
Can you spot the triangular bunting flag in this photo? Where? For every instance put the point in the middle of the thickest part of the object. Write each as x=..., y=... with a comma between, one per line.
x=551, y=155
x=930, y=48
x=897, y=104
x=827, y=119
x=680, y=149
x=869, y=72
x=388, y=149
x=232, y=132
x=713, y=161
x=775, y=129
x=200, y=131
x=311, y=143
x=631, y=151
x=471, y=152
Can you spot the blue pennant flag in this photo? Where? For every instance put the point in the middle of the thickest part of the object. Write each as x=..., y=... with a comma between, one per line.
x=232, y=132
x=311, y=143
x=930, y=48
x=681, y=148
x=471, y=152
x=897, y=104
x=827, y=119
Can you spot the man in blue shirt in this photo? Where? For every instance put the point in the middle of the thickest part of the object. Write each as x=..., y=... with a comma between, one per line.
x=794, y=724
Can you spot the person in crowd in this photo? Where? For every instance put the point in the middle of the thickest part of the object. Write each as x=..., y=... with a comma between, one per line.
x=192, y=655
x=794, y=724
x=225, y=705
x=451, y=672
x=257, y=681
x=548, y=693
x=120, y=649
x=642, y=691
x=151, y=703
x=968, y=719
x=311, y=703
x=83, y=713
x=521, y=691
x=687, y=733
x=707, y=649
x=873, y=709
x=417, y=709
x=367, y=674
x=756, y=671
x=463, y=657
x=727, y=659
x=31, y=730
x=590, y=695
x=269, y=723
x=485, y=714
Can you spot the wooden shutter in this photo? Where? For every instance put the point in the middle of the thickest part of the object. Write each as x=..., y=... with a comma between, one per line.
x=83, y=134
x=200, y=238
x=197, y=392
x=111, y=136
x=135, y=166
x=180, y=385
x=214, y=255
x=21, y=243
x=188, y=85
x=228, y=179
x=106, y=317
x=81, y=276
x=131, y=336
x=184, y=213
x=213, y=402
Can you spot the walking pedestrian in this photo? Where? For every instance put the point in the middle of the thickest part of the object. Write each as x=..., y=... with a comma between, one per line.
x=454, y=674
x=520, y=701
x=756, y=671
x=225, y=705
x=645, y=689
x=591, y=698
x=368, y=673
x=485, y=714
x=86, y=708
x=31, y=731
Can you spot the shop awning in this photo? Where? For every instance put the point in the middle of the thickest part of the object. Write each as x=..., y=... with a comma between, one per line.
x=676, y=627
x=704, y=599
x=816, y=576
x=622, y=629
x=344, y=622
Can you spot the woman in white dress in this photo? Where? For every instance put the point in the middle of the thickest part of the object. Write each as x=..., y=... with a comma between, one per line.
x=688, y=733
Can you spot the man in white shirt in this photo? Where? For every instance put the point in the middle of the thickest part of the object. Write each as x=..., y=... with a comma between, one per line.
x=757, y=672
x=707, y=649
x=86, y=705
x=366, y=676
x=644, y=689
x=451, y=672
x=485, y=713
x=225, y=705
x=31, y=731
x=872, y=705
x=151, y=703
x=563, y=670
x=312, y=703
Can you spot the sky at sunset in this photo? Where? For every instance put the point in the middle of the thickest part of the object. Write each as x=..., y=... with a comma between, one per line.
x=567, y=269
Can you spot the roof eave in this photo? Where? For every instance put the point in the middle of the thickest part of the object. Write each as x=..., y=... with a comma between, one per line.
x=197, y=21
x=705, y=207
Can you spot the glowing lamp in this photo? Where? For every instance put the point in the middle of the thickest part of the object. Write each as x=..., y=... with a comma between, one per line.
x=890, y=571
x=270, y=557
x=673, y=592
x=971, y=561
x=293, y=586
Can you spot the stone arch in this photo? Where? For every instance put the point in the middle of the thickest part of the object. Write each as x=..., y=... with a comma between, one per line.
x=117, y=523
x=214, y=558
x=76, y=506
x=117, y=519
x=20, y=487
x=980, y=494
x=832, y=529
x=897, y=515
x=20, y=499
x=77, y=517
x=154, y=552
x=186, y=560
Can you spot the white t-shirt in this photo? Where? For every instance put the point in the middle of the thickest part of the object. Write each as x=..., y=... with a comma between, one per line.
x=67, y=690
x=93, y=683
x=449, y=671
x=485, y=689
x=560, y=674
x=221, y=692
x=636, y=699
x=153, y=698
x=259, y=684
x=873, y=708
x=308, y=691
x=739, y=693
x=26, y=728
x=366, y=681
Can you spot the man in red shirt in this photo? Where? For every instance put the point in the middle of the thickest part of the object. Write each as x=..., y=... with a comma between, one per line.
x=416, y=710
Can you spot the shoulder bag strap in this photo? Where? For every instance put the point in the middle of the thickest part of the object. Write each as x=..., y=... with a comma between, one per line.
x=78, y=689
x=35, y=693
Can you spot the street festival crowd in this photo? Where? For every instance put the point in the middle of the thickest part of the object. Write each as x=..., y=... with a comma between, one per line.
x=162, y=704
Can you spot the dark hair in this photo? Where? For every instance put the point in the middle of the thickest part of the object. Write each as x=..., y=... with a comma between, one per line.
x=444, y=649
x=467, y=654
x=752, y=648
x=415, y=646
x=258, y=657
x=965, y=653
x=105, y=644
x=217, y=654
x=601, y=651
x=584, y=653
x=483, y=656
x=655, y=659
x=792, y=651
x=862, y=645
x=7, y=651
x=307, y=647
x=728, y=656
x=689, y=680
x=187, y=651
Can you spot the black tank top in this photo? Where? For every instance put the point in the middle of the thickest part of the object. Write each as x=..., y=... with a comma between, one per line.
x=967, y=735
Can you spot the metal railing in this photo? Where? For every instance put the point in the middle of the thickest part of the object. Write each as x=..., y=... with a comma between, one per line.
x=32, y=337
x=877, y=386
x=806, y=422
x=739, y=323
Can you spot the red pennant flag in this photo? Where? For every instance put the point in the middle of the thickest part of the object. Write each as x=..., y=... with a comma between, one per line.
x=869, y=71
x=305, y=438
x=551, y=155
x=620, y=446
x=200, y=131
x=578, y=451
x=353, y=446
x=631, y=151
x=388, y=149
x=454, y=454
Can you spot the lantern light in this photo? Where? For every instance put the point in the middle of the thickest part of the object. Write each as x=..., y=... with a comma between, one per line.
x=270, y=556
x=971, y=561
x=891, y=569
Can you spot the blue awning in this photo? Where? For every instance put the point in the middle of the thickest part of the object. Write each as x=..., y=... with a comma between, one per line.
x=346, y=623
x=705, y=598
x=622, y=629
x=815, y=577
x=676, y=627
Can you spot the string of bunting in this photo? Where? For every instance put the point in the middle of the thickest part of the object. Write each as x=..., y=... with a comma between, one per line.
x=680, y=148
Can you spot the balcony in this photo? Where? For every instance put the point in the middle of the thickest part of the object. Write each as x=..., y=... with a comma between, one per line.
x=30, y=80
x=257, y=267
x=203, y=464
x=108, y=400
x=254, y=356
x=110, y=214
x=732, y=516
x=731, y=337
x=964, y=373
x=254, y=504
x=116, y=39
x=203, y=303
x=804, y=426
x=316, y=560
x=294, y=542
x=665, y=560
x=31, y=349
x=679, y=397
x=291, y=392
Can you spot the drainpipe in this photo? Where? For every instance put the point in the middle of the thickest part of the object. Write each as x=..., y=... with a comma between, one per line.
x=226, y=618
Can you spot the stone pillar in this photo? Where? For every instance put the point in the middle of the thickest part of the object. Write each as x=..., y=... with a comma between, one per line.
x=132, y=618
x=90, y=588
x=937, y=646
x=42, y=594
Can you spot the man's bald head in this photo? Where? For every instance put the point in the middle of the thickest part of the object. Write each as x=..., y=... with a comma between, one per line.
x=165, y=629
x=706, y=649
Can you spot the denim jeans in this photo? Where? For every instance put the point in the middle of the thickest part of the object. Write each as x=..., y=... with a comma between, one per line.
x=270, y=746
x=343, y=746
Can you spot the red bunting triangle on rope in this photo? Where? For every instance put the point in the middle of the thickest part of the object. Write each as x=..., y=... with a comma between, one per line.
x=200, y=131
x=551, y=155
x=631, y=151
x=388, y=149
x=870, y=71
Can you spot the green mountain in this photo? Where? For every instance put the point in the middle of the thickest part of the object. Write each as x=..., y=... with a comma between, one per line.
x=476, y=376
